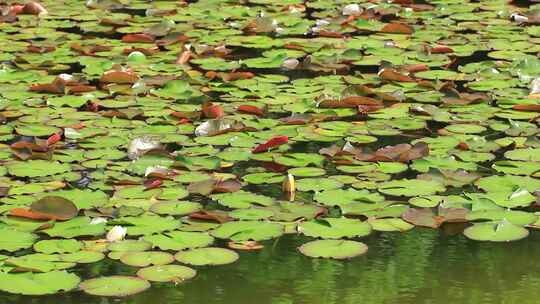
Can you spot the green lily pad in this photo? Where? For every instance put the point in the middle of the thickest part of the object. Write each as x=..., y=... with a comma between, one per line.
x=248, y=231
x=167, y=273
x=207, y=256
x=335, y=228
x=146, y=258
x=29, y=283
x=333, y=249
x=58, y=246
x=502, y=231
x=179, y=240
x=410, y=187
x=114, y=286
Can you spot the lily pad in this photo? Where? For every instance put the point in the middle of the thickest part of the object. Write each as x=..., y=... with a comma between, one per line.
x=207, y=256
x=333, y=249
x=114, y=286
x=167, y=273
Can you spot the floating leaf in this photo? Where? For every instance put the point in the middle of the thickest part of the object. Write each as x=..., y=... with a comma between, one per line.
x=114, y=286
x=334, y=249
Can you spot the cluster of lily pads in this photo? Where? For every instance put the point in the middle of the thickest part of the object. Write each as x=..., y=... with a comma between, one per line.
x=168, y=135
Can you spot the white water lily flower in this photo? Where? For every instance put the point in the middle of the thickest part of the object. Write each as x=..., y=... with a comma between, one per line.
x=290, y=64
x=140, y=145
x=117, y=233
x=98, y=220
x=535, y=87
x=351, y=9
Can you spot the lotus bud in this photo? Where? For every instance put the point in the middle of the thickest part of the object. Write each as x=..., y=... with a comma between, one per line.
x=289, y=187
x=117, y=233
x=351, y=9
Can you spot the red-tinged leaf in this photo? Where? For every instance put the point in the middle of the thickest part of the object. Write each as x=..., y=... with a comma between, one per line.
x=297, y=119
x=527, y=107
x=89, y=50
x=397, y=28
x=26, y=213
x=40, y=49
x=249, y=109
x=441, y=49
x=230, y=185
x=16, y=9
x=419, y=150
x=211, y=75
x=34, y=8
x=214, y=215
x=235, y=76
x=184, y=57
x=462, y=146
x=138, y=38
x=56, y=87
x=80, y=88
x=424, y=217
x=415, y=68
x=364, y=109
x=119, y=77
x=152, y=183
x=330, y=34
x=48, y=208
x=56, y=137
x=273, y=142
x=349, y=102
x=393, y=75
x=274, y=167
x=210, y=110
x=78, y=126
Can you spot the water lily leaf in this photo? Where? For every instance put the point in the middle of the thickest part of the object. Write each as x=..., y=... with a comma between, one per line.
x=175, y=207
x=13, y=240
x=36, y=168
x=335, y=228
x=28, y=283
x=179, y=240
x=146, y=258
x=167, y=273
x=147, y=224
x=130, y=246
x=114, y=286
x=515, y=217
x=78, y=226
x=340, y=197
x=501, y=231
x=334, y=249
x=55, y=208
x=58, y=246
x=242, y=199
x=390, y=224
x=410, y=187
x=248, y=231
x=207, y=256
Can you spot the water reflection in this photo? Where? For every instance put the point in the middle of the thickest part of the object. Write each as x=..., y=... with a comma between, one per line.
x=422, y=266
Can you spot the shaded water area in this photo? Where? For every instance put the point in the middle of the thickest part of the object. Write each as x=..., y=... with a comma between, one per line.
x=421, y=266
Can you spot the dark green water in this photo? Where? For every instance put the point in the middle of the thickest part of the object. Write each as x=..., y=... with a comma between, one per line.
x=421, y=266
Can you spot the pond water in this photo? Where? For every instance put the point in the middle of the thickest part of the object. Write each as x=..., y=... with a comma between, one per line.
x=421, y=266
